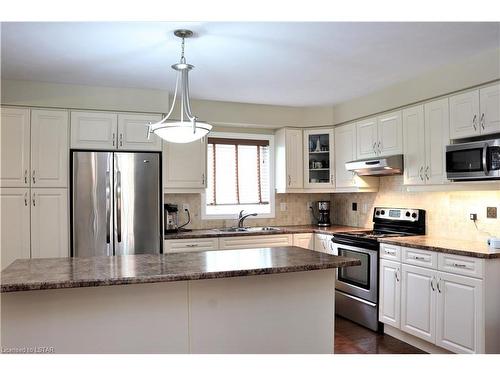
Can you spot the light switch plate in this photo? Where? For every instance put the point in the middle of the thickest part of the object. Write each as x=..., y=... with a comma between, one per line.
x=185, y=207
x=283, y=207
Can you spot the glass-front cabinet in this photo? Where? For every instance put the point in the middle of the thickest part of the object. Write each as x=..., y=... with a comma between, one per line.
x=318, y=158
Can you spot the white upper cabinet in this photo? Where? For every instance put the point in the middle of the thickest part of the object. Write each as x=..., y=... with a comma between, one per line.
x=475, y=113
x=49, y=223
x=133, y=132
x=15, y=147
x=49, y=148
x=489, y=99
x=380, y=136
x=345, y=151
x=460, y=314
x=367, y=138
x=437, y=136
x=289, y=161
x=185, y=165
x=318, y=158
x=94, y=130
x=414, y=145
x=390, y=134
x=15, y=224
x=425, y=136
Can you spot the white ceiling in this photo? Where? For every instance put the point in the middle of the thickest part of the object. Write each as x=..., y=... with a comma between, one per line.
x=298, y=64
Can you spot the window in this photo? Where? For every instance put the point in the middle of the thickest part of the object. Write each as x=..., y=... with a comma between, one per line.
x=239, y=175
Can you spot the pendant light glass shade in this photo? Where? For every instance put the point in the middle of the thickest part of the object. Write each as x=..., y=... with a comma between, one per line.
x=188, y=128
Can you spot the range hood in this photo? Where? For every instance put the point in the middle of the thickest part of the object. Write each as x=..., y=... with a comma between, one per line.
x=382, y=166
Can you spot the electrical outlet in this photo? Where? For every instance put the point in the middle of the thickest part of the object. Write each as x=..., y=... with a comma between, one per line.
x=354, y=206
x=491, y=212
x=283, y=206
x=473, y=217
x=309, y=205
x=185, y=206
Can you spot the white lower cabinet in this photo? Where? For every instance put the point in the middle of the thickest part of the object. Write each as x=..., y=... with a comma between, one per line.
x=444, y=308
x=49, y=223
x=390, y=293
x=186, y=245
x=418, y=302
x=305, y=240
x=15, y=225
x=253, y=242
x=459, y=313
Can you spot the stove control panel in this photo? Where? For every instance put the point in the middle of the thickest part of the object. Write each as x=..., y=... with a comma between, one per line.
x=405, y=214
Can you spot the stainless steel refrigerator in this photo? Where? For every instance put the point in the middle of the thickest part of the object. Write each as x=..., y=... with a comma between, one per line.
x=115, y=203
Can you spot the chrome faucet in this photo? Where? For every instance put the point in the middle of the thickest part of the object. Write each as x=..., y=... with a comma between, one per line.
x=241, y=218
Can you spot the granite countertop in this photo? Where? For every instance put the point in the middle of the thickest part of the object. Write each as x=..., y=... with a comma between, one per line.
x=204, y=233
x=475, y=249
x=58, y=273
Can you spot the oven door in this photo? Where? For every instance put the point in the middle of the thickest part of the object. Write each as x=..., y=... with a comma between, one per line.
x=472, y=161
x=359, y=281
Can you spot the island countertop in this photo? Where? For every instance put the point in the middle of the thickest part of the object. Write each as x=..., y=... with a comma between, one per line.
x=59, y=273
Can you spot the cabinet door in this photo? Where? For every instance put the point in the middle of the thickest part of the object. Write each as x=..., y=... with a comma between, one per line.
x=15, y=147
x=305, y=240
x=418, y=302
x=390, y=293
x=294, y=160
x=414, y=145
x=188, y=245
x=318, y=158
x=49, y=148
x=390, y=134
x=49, y=223
x=255, y=242
x=345, y=151
x=366, y=138
x=489, y=99
x=460, y=326
x=437, y=136
x=464, y=115
x=133, y=133
x=93, y=130
x=15, y=224
x=185, y=165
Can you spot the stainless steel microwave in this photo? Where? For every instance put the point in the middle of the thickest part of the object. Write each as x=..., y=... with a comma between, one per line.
x=473, y=160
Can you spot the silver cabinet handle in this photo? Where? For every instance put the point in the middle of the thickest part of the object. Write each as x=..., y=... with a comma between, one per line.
x=26, y=199
x=121, y=139
x=427, y=172
x=25, y=176
x=114, y=138
x=374, y=147
x=118, y=206
x=439, y=285
x=474, y=122
x=379, y=143
x=418, y=258
x=203, y=178
x=34, y=203
x=192, y=245
x=482, y=120
x=459, y=265
x=331, y=178
x=432, y=284
x=420, y=171
x=390, y=252
x=397, y=274
x=33, y=177
x=289, y=180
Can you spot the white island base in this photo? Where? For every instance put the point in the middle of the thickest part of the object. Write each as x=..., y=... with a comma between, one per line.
x=276, y=313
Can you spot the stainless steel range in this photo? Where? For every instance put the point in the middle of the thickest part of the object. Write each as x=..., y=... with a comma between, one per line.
x=356, y=288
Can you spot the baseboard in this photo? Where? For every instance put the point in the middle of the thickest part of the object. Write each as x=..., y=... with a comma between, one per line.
x=414, y=341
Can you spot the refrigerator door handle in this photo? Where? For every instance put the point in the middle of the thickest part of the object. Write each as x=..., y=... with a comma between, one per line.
x=118, y=206
x=108, y=209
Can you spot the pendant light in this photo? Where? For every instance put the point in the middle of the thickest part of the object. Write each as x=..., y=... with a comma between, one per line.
x=188, y=128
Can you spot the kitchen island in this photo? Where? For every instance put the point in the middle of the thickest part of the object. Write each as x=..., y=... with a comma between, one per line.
x=278, y=300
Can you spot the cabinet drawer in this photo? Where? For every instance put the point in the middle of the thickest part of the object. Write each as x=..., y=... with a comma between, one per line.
x=391, y=252
x=252, y=242
x=195, y=244
x=419, y=257
x=461, y=265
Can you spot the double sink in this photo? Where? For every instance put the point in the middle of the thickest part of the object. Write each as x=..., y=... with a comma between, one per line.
x=248, y=229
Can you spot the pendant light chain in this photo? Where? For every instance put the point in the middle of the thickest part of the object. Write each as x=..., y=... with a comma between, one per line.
x=183, y=59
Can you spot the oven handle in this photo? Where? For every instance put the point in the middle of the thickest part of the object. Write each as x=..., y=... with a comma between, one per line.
x=485, y=166
x=365, y=247
x=356, y=298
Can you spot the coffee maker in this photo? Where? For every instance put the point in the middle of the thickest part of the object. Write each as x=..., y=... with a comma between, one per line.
x=171, y=218
x=324, y=213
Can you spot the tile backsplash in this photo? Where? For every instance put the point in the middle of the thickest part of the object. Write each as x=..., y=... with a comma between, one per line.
x=296, y=211
x=447, y=213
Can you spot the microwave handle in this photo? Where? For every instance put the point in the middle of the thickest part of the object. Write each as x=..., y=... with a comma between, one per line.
x=485, y=165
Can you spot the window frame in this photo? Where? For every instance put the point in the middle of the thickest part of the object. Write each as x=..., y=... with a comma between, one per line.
x=272, y=192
